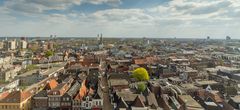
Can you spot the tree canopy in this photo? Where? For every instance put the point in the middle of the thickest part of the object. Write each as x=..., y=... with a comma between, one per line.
x=141, y=87
x=49, y=53
x=140, y=74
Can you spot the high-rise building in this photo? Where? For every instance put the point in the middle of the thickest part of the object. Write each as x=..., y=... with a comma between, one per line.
x=50, y=45
x=100, y=39
x=23, y=44
x=1, y=44
x=10, y=45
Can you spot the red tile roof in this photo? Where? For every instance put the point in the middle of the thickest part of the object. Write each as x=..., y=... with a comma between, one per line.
x=82, y=91
x=17, y=97
x=3, y=95
x=140, y=61
x=52, y=84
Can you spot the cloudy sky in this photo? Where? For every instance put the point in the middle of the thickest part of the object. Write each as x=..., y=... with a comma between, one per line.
x=121, y=18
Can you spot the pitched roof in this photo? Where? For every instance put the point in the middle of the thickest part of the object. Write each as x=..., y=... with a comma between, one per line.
x=153, y=106
x=4, y=94
x=52, y=84
x=42, y=93
x=152, y=100
x=122, y=104
x=129, y=97
x=73, y=90
x=190, y=103
x=216, y=97
x=138, y=102
x=140, y=61
x=82, y=91
x=236, y=99
x=97, y=96
x=16, y=97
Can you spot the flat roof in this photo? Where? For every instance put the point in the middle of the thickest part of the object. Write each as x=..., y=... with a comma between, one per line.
x=116, y=82
x=206, y=82
x=189, y=86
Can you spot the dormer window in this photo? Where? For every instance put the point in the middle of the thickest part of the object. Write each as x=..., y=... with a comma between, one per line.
x=87, y=98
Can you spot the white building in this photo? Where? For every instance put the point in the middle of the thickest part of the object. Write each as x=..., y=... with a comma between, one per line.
x=10, y=45
x=23, y=44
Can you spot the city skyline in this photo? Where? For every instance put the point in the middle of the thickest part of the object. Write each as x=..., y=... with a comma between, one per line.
x=121, y=18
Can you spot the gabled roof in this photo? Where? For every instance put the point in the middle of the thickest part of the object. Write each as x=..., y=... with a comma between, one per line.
x=129, y=97
x=82, y=91
x=74, y=89
x=138, y=102
x=16, y=97
x=122, y=104
x=153, y=106
x=216, y=98
x=4, y=94
x=97, y=96
x=152, y=100
x=52, y=84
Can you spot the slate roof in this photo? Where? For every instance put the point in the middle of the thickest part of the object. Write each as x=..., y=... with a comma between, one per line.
x=42, y=93
x=122, y=104
x=74, y=89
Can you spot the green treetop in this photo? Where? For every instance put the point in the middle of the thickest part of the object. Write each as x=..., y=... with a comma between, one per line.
x=140, y=74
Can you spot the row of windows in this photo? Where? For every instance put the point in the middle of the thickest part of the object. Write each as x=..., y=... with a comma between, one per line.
x=89, y=104
x=9, y=107
x=66, y=99
x=58, y=99
x=54, y=104
x=54, y=99
x=40, y=103
x=65, y=104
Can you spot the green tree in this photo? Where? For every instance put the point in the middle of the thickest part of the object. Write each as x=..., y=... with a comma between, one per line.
x=140, y=74
x=141, y=87
x=49, y=53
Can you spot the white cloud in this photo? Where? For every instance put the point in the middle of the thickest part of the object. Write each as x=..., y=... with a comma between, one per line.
x=39, y=6
x=177, y=18
x=109, y=2
x=122, y=15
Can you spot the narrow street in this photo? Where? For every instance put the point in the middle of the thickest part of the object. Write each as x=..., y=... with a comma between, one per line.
x=106, y=99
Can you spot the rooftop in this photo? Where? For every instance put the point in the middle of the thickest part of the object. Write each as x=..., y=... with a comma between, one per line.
x=206, y=82
x=236, y=99
x=191, y=104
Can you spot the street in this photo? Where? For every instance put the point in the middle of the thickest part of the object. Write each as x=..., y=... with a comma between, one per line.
x=106, y=99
